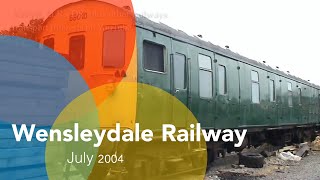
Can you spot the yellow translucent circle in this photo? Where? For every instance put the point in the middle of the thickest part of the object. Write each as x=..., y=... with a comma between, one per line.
x=136, y=107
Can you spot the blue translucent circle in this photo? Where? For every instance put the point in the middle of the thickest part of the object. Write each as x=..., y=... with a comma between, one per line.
x=36, y=84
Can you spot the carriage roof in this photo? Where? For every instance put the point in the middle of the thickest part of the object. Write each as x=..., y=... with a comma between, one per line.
x=161, y=28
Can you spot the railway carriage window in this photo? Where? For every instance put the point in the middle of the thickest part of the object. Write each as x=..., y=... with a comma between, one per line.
x=222, y=80
x=205, y=84
x=254, y=76
x=289, y=86
x=204, y=62
x=77, y=51
x=49, y=43
x=205, y=76
x=114, y=48
x=300, y=95
x=319, y=100
x=179, y=65
x=272, y=90
x=290, y=94
x=255, y=87
x=153, y=55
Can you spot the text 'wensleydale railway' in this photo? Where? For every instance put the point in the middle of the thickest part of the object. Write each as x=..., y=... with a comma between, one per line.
x=169, y=133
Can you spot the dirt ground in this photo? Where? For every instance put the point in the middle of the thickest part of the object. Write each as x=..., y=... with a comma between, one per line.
x=307, y=169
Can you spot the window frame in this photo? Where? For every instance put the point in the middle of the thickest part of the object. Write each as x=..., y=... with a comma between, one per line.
x=47, y=39
x=290, y=94
x=103, y=46
x=165, y=57
x=290, y=86
x=273, y=90
x=207, y=70
x=211, y=68
x=225, y=80
x=185, y=71
x=318, y=100
x=300, y=95
x=255, y=82
x=84, y=51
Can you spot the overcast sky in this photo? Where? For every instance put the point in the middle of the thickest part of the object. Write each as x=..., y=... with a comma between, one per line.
x=285, y=33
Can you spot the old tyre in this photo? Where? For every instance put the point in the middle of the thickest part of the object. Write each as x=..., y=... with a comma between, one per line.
x=251, y=160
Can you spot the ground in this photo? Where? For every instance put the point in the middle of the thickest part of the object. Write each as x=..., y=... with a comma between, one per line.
x=308, y=168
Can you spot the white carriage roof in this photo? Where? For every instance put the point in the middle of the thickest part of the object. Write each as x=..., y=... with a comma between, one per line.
x=161, y=28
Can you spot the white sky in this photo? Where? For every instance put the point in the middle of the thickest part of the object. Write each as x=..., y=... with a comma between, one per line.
x=285, y=33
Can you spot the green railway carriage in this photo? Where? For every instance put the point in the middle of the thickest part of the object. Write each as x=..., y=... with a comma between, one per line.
x=224, y=89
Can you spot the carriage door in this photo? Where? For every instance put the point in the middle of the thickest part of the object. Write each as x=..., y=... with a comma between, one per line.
x=227, y=92
x=272, y=114
x=179, y=81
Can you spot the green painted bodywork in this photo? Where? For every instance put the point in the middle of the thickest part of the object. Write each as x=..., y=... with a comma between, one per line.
x=234, y=109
